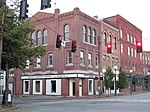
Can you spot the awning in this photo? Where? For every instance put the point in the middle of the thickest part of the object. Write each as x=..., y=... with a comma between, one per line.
x=136, y=78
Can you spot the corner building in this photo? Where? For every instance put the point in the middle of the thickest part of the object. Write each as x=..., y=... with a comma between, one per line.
x=61, y=72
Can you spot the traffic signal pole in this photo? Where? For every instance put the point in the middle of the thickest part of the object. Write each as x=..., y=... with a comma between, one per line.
x=2, y=30
x=100, y=54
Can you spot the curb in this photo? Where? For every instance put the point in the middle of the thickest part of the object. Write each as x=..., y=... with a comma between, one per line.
x=11, y=109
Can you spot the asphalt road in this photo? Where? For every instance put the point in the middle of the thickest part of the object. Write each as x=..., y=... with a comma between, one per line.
x=132, y=103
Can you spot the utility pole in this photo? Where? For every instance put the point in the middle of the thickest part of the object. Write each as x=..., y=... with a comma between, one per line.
x=2, y=30
x=100, y=55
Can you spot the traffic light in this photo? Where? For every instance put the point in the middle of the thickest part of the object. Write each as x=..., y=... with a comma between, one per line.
x=109, y=48
x=74, y=46
x=23, y=9
x=45, y=4
x=58, y=41
x=139, y=47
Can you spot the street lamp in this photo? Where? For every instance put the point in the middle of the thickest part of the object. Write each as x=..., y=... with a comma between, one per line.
x=131, y=85
x=115, y=67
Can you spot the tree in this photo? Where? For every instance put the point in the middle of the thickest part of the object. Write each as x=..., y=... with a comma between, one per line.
x=17, y=47
x=108, y=78
x=122, y=83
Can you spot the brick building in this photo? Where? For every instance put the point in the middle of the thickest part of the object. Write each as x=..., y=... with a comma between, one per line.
x=130, y=61
x=61, y=72
x=146, y=62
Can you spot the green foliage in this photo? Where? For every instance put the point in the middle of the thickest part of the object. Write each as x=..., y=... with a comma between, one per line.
x=108, y=78
x=16, y=43
x=122, y=83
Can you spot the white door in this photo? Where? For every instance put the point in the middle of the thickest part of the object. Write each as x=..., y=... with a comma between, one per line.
x=80, y=87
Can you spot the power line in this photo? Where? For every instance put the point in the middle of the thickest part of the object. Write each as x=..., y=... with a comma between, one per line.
x=45, y=25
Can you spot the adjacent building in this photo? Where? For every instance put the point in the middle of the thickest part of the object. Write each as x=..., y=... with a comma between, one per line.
x=130, y=61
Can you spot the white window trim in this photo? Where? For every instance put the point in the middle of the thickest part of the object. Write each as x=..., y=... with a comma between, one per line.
x=82, y=56
x=34, y=92
x=48, y=63
x=24, y=87
x=58, y=87
x=90, y=59
x=68, y=64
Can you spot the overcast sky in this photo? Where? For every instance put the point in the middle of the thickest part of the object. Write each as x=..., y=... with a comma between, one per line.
x=135, y=11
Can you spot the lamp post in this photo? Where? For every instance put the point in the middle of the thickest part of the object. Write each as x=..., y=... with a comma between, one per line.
x=131, y=85
x=115, y=67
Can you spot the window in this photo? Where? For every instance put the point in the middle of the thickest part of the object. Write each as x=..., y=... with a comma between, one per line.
x=27, y=63
x=112, y=62
x=128, y=51
x=53, y=86
x=115, y=43
x=134, y=41
x=132, y=52
x=89, y=35
x=44, y=40
x=105, y=38
x=84, y=34
x=38, y=38
x=69, y=57
x=50, y=60
x=128, y=38
x=38, y=61
x=135, y=53
x=121, y=48
x=96, y=60
x=108, y=61
x=37, y=86
x=81, y=58
x=131, y=39
x=120, y=33
x=104, y=61
x=110, y=39
x=33, y=39
x=141, y=56
x=94, y=37
x=89, y=59
x=66, y=32
x=26, y=86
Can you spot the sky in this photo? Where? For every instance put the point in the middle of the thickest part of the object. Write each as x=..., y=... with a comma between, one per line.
x=135, y=11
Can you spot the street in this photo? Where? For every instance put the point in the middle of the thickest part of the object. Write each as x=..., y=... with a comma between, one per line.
x=132, y=103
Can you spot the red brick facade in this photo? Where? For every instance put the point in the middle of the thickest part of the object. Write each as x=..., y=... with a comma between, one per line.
x=76, y=77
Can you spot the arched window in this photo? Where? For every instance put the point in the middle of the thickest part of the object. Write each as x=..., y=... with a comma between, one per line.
x=110, y=39
x=84, y=34
x=94, y=37
x=44, y=38
x=105, y=38
x=38, y=38
x=89, y=35
x=66, y=32
x=32, y=38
